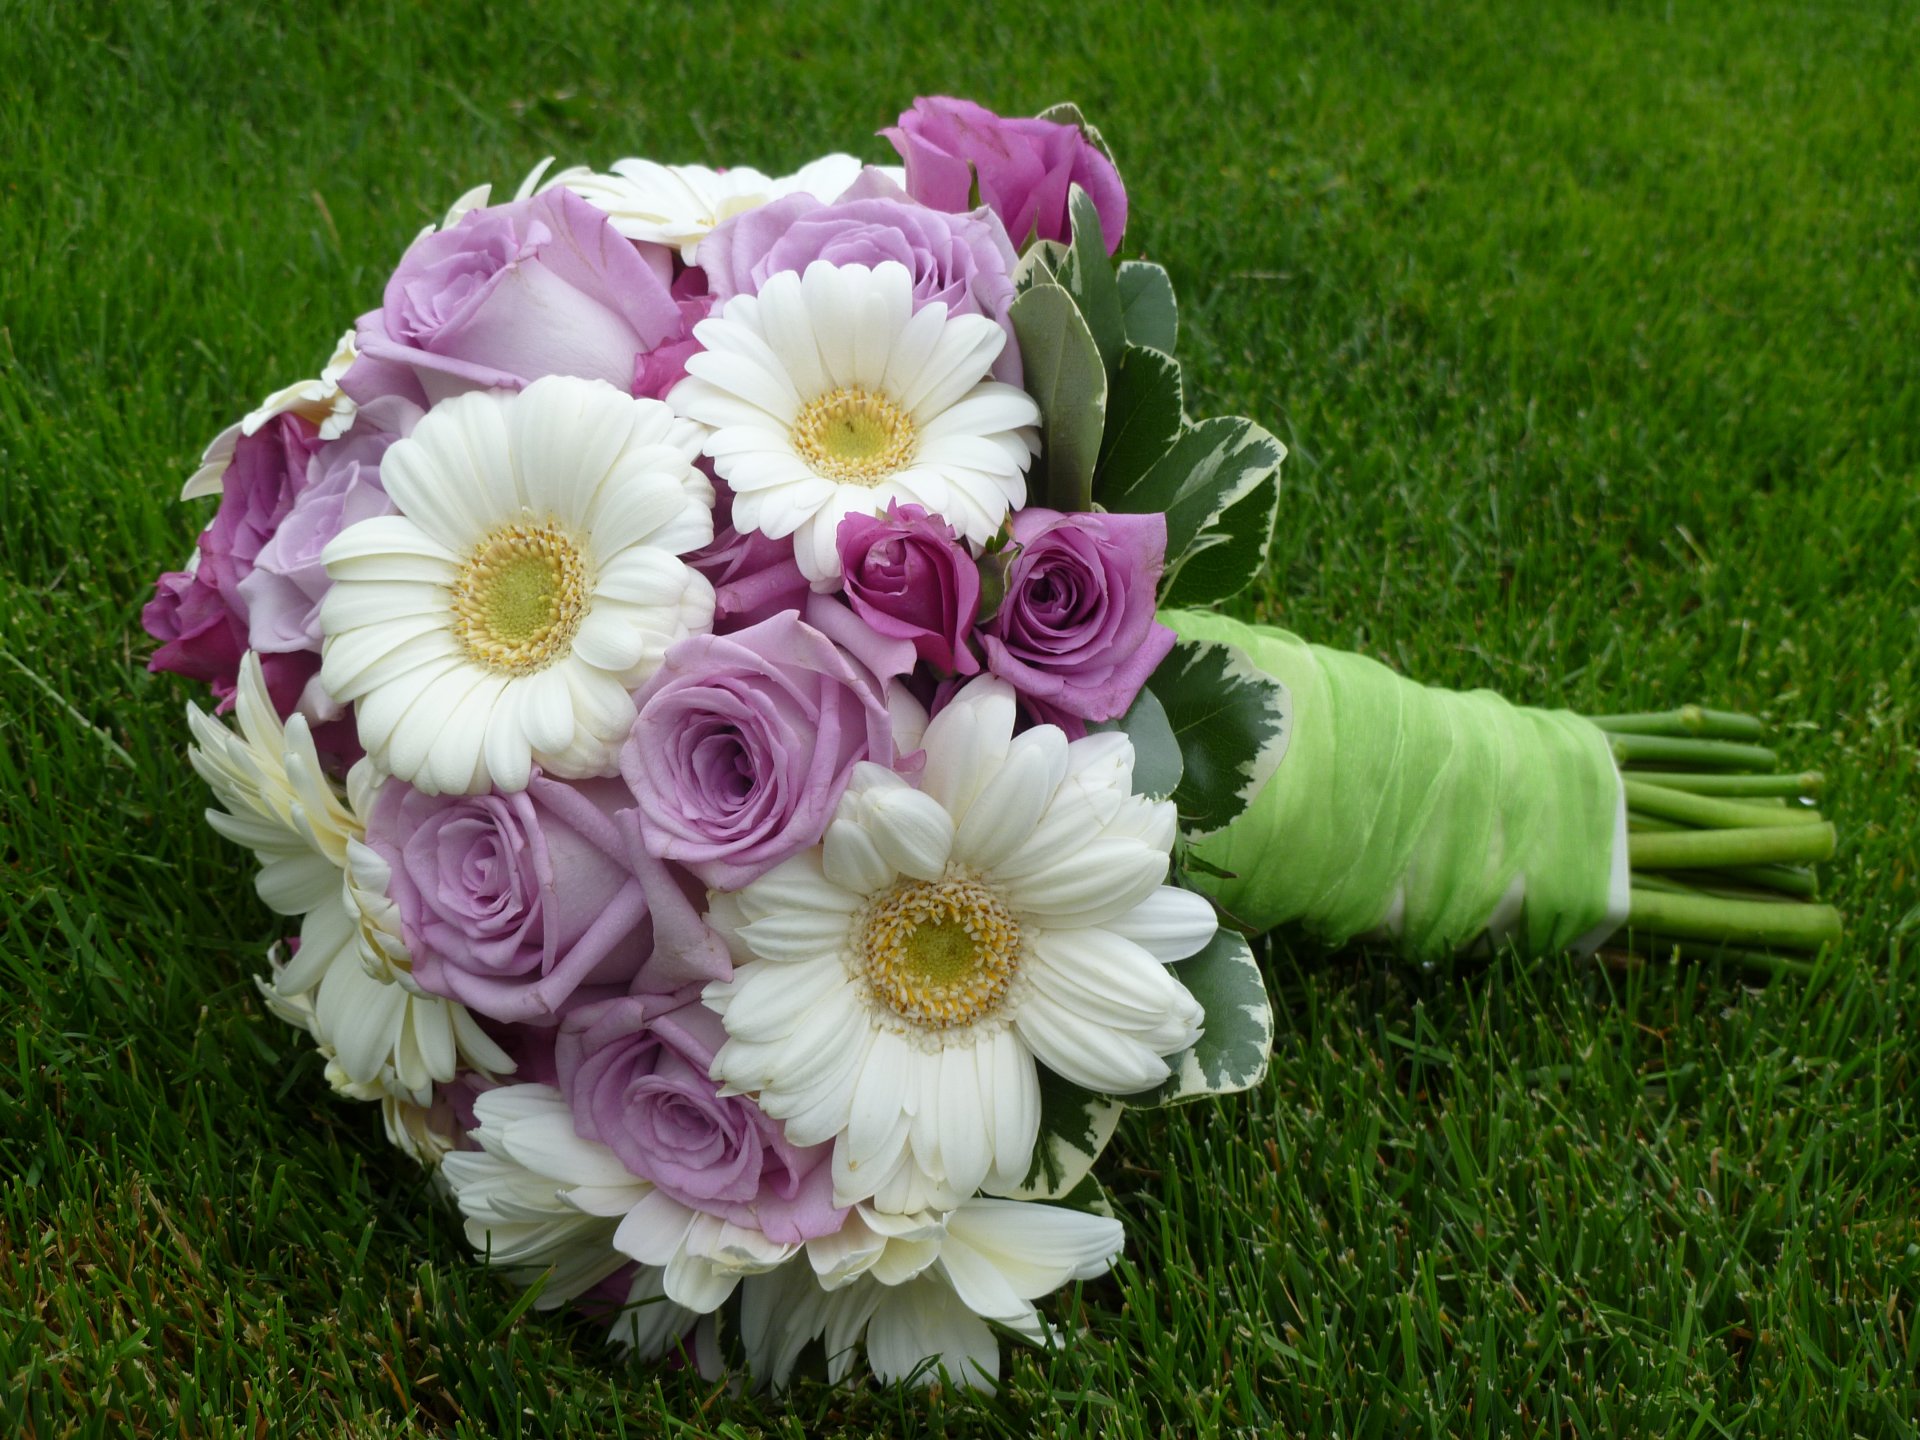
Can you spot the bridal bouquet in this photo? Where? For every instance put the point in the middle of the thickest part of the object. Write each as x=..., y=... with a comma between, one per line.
x=719, y=672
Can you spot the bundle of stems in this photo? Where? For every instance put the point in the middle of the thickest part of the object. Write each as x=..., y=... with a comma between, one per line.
x=1720, y=843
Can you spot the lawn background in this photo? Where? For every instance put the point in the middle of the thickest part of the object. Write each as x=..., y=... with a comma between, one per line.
x=1594, y=331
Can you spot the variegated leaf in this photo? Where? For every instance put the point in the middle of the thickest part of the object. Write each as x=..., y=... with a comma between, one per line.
x=1064, y=375
x=1151, y=314
x=1075, y=1126
x=1232, y=722
x=1086, y=274
x=1143, y=420
x=1232, y=1051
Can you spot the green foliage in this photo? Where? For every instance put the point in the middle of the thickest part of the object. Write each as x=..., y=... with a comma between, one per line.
x=1063, y=373
x=1156, y=752
x=1232, y=1053
x=1590, y=327
x=1075, y=1126
x=1231, y=724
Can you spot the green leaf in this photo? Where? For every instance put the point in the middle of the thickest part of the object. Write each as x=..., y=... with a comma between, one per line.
x=1229, y=553
x=1232, y=722
x=1156, y=754
x=1152, y=316
x=1143, y=420
x=1038, y=265
x=1231, y=1053
x=1075, y=1126
x=1066, y=379
x=1089, y=1197
x=1209, y=471
x=1087, y=275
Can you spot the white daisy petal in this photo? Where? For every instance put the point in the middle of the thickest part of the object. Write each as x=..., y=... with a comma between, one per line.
x=826, y=386
x=898, y=988
x=516, y=507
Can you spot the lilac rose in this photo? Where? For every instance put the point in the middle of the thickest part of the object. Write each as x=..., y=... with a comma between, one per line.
x=1024, y=168
x=199, y=615
x=635, y=1071
x=288, y=582
x=963, y=261
x=542, y=286
x=908, y=575
x=520, y=905
x=1075, y=633
x=743, y=744
x=754, y=576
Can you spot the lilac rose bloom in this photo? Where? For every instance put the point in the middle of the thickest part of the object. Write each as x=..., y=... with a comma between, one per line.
x=199, y=615
x=744, y=743
x=963, y=261
x=288, y=582
x=908, y=575
x=542, y=286
x=1075, y=633
x=754, y=576
x=520, y=905
x=635, y=1071
x=1024, y=168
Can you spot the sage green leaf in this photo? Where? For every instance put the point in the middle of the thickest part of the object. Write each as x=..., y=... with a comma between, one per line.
x=1226, y=556
x=1037, y=265
x=1231, y=721
x=1231, y=1053
x=1087, y=275
x=1064, y=375
x=1090, y=1197
x=1212, y=468
x=1152, y=316
x=1156, y=754
x=1143, y=421
x=1075, y=1126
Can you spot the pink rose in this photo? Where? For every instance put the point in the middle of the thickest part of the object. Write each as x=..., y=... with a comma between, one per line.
x=1024, y=168
x=543, y=286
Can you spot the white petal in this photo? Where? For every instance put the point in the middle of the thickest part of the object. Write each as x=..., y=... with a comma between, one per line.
x=1011, y=803
x=1170, y=924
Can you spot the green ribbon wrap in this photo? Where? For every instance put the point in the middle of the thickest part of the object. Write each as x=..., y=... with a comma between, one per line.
x=1431, y=818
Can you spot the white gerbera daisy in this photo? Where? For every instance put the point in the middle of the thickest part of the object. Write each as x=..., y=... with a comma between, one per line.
x=382, y=1040
x=827, y=394
x=530, y=582
x=922, y=1290
x=898, y=982
x=678, y=205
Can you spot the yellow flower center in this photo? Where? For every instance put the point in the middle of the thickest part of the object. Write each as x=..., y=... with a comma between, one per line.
x=939, y=956
x=854, y=436
x=520, y=597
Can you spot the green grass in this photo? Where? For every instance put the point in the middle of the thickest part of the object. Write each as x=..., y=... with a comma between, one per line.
x=1593, y=330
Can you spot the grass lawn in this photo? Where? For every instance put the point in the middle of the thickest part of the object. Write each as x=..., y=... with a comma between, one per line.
x=1595, y=330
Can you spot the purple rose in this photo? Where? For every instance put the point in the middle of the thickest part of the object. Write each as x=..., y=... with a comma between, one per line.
x=519, y=905
x=288, y=582
x=963, y=261
x=743, y=744
x=635, y=1071
x=543, y=286
x=199, y=615
x=755, y=576
x=1024, y=168
x=908, y=575
x=1075, y=631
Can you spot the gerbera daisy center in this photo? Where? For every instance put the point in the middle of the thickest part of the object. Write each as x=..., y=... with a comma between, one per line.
x=854, y=436
x=938, y=955
x=520, y=597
